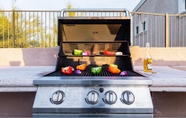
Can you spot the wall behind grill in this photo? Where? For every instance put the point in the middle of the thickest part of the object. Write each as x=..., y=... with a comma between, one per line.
x=47, y=56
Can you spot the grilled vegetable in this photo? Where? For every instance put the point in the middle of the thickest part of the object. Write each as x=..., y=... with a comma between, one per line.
x=113, y=65
x=78, y=72
x=86, y=53
x=118, y=53
x=77, y=52
x=81, y=67
x=108, y=53
x=113, y=69
x=67, y=70
x=123, y=73
x=96, y=70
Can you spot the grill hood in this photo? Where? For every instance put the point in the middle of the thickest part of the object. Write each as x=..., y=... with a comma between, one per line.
x=93, y=30
x=94, y=34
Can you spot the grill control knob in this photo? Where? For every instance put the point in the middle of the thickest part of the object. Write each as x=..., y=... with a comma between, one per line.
x=110, y=97
x=127, y=97
x=58, y=97
x=92, y=97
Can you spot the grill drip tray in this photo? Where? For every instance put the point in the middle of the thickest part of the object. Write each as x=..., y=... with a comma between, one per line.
x=87, y=72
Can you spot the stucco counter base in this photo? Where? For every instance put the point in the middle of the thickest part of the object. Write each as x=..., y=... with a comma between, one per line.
x=20, y=78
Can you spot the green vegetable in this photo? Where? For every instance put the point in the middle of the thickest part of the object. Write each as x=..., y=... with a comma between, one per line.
x=78, y=52
x=96, y=70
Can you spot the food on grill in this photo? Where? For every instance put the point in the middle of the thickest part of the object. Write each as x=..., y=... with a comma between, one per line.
x=108, y=53
x=113, y=69
x=86, y=53
x=113, y=65
x=67, y=70
x=118, y=53
x=81, y=67
x=77, y=52
x=123, y=73
x=96, y=70
x=78, y=71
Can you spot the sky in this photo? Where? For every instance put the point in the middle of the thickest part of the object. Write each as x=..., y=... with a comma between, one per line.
x=61, y=4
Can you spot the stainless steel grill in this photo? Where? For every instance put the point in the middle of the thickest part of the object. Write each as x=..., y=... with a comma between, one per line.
x=85, y=94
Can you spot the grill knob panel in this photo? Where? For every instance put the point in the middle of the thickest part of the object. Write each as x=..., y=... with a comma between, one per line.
x=127, y=97
x=92, y=97
x=110, y=97
x=58, y=97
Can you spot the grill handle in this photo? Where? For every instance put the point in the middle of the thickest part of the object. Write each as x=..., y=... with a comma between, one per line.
x=124, y=11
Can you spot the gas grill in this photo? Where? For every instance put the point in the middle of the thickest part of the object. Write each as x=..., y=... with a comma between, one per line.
x=87, y=94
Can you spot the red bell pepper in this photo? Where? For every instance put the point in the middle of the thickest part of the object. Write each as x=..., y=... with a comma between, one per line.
x=108, y=53
x=67, y=70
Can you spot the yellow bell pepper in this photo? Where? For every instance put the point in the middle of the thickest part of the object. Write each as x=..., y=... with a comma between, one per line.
x=114, y=69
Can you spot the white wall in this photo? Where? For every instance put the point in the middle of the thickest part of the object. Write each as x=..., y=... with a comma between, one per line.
x=48, y=56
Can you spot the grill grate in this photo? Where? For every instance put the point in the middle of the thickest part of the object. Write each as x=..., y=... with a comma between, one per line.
x=87, y=72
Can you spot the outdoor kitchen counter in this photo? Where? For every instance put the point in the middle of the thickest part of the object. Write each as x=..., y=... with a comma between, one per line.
x=20, y=78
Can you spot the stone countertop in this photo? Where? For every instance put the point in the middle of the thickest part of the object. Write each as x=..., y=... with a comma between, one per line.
x=20, y=78
x=165, y=78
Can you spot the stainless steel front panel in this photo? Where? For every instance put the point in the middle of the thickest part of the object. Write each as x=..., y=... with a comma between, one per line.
x=84, y=80
x=75, y=102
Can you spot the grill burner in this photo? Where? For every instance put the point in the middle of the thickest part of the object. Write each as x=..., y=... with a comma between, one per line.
x=87, y=72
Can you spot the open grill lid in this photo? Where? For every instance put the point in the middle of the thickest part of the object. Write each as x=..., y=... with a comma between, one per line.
x=105, y=26
x=108, y=30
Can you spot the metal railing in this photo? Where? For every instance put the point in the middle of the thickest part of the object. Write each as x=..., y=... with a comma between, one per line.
x=25, y=29
x=33, y=28
x=160, y=30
